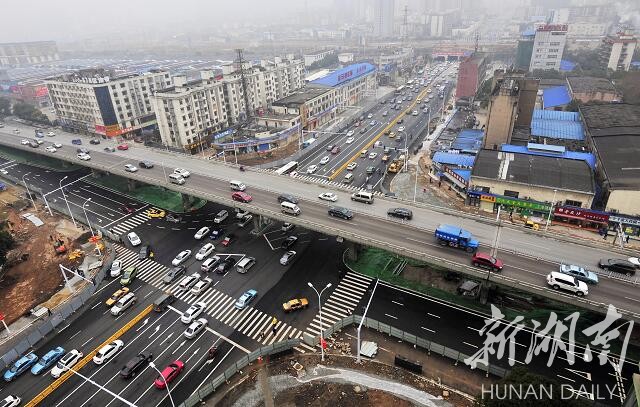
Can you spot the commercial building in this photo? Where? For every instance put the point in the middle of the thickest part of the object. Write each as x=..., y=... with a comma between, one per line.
x=525, y=49
x=383, y=16
x=310, y=59
x=586, y=29
x=18, y=54
x=471, y=73
x=588, y=89
x=619, y=48
x=533, y=183
x=511, y=104
x=613, y=132
x=548, y=46
x=98, y=101
x=351, y=83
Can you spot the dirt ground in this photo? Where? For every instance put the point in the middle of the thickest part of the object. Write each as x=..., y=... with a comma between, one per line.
x=272, y=156
x=24, y=284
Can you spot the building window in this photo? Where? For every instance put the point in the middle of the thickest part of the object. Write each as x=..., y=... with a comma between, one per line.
x=569, y=202
x=512, y=194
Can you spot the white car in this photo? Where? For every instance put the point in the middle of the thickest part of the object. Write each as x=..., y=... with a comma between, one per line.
x=11, y=401
x=401, y=128
x=221, y=216
x=324, y=160
x=181, y=257
x=210, y=263
x=40, y=142
x=68, y=361
x=24, y=142
x=134, y=239
x=189, y=281
x=107, y=351
x=373, y=155
x=123, y=303
x=311, y=169
x=328, y=196
x=287, y=257
x=352, y=166
x=182, y=172
x=57, y=145
x=635, y=261
x=350, y=133
x=51, y=149
x=51, y=134
x=193, y=312
x=241, y=213
x=369, y=116
x=205, y=251
x=130, y=168
x=116, y=268
x=195, y=328
x=17, y=131
x=349, y=140
x=201, y=286
x=372, y=123
x=84, y=156
x=202, y=232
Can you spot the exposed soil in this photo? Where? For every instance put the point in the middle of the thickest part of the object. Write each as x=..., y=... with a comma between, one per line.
x=31, y=275
x=273, y=155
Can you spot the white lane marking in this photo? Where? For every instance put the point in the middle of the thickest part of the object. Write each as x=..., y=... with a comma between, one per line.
x=391, y=316
x=398, y=303
x=427, y=329
x=470, y=344
x=75, y=334
x=433, y=315
x=86, y=342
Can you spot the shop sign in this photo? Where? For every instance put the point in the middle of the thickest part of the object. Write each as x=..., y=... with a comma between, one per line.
x=455, y=175
x=625, y=221
x=582, y=213
x=537, y=206
x=488, y=198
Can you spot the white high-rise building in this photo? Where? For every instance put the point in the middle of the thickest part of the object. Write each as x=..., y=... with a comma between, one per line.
x=383, y=16
x=620, y=49
x=548, y=46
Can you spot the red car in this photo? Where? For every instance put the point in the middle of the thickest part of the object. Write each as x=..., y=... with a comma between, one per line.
x=128, y=209
x=227, y=240
x=123, y=146
x=168, y=374
x=487, y=261
x=242, y=197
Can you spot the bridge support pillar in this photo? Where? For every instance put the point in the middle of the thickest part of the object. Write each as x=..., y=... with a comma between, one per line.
x=352, y=251
x=260, y=224
x=131, y=185
x=97, y=173
x=187, y=202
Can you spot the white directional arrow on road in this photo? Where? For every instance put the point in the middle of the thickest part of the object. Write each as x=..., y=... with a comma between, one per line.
x=143, y=324
x=192, y=355
x=179, y=346
x=155, y=332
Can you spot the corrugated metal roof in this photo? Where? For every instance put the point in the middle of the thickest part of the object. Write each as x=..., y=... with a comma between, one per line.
x=345, y=74
x=468, y=139
x=462, y=160
x=555, y=96
x=556, y=115
x=589, y=158
x=465, y=174
x=556, y=124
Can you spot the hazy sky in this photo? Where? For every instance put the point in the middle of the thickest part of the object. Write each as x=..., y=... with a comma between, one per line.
x=65, y=20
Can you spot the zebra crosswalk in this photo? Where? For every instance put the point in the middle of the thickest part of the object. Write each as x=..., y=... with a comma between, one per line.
x=249, y=321
x=340, y=304
x=336, y=184
x=130, y=223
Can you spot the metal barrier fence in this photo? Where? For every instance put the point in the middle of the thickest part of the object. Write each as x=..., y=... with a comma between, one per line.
x=427, y=345
x=210, y=387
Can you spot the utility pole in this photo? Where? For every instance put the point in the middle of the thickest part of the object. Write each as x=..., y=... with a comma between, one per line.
x=245, y=85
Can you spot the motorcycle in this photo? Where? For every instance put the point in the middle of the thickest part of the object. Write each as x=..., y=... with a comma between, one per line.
x=242, y=168
x=213, y=351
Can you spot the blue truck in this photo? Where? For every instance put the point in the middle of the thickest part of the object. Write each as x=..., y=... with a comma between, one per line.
x=449, y=235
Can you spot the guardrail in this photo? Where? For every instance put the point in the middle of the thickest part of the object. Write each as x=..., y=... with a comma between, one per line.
x=201, y=393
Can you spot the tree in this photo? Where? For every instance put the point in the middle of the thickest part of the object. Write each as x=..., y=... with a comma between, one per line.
x=629, y=85
x=5, y=107
x=26, y=111
x=521, y=378
x=7, y=242
x=328, y=61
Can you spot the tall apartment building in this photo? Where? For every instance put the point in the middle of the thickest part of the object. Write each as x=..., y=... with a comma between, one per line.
x=383, y=16
x=99, y=102
x=188, y=112
x=548, y=46
x=25, y=53
x=470, y=75
x=619, y=48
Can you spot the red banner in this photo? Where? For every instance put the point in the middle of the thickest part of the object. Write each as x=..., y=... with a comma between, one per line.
x=580, y=213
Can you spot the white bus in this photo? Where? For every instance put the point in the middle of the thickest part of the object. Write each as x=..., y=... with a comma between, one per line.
x=287, y=168
x=399, y=90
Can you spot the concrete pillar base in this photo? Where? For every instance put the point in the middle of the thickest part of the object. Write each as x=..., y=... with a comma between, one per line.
x=352, y=250
x=187, y=202
x=131, y=184
x=260, y=224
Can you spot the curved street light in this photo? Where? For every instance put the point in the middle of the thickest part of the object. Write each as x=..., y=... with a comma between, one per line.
x=320, y=308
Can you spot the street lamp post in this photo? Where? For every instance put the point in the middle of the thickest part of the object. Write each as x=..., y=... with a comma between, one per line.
x=27, y=188
x=553, y=203
x=365, y=315
x=89, y=223
x=320, y=311
x=153, y=366
x=67, y=202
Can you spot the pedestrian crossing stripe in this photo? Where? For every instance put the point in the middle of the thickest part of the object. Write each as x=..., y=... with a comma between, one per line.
x=131, y=222
x=248, y=321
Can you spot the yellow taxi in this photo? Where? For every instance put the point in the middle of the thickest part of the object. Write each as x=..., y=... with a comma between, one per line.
x=155, y=213
x=116, y=296
x=392, y=134
x=385, y=158
x=295, y=304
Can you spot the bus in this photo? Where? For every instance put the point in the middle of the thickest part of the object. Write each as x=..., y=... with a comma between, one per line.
x=410, y=82
x=287, y=168
x=399, y=90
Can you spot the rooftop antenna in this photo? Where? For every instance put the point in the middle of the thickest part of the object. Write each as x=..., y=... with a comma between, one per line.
x=245, y=86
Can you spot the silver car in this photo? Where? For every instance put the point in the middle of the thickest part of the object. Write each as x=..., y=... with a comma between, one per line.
x=195, y=328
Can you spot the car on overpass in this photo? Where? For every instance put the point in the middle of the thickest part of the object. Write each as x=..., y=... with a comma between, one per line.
x=621, y=266
x=241, y=197
x=130, y=168
x=182, y=172
x=84, y=156
x=580, y=273
x=328, y=196
x=485, y=260
x=123, y=147
x=340, y=212
x=145, y=164
x=559, y=281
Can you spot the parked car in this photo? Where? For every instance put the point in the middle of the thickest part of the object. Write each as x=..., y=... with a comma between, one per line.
x=205, y=251
x=287, y=257
x=580, y=273
x=181, y=257
x=221, y=216
x=20, y=366
x=66, y=362
x=226, y=265
x=202, y=232
x=245, y=299
x=228, y=239
x=136, y=365
x=289, y=242
x=216, y=232
x=168, y=374
x=210, y=263
x=485, y=260
x=564, y=282
x=47, y=360
x=340, y=212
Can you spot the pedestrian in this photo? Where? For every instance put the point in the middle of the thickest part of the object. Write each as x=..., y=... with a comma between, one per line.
x=439, y=184
x=626, y=239
x=49, y=312
x=604, y=234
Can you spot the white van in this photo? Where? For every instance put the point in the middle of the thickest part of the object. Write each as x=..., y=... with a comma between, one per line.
x=245, y=264
x=362, y=196
x=289, y=208
x=176, y=179
x=237, y=185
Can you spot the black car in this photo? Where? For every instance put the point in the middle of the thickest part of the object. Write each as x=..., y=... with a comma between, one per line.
x=216, y=232
x=94, y=141
x=400, y=121
x=145, y=164
x=145, y=251
x=288, y=198
x=173, y=218
x=618, y=266
x=288, y=242
x=173, y=274
x=402, y=213
x=340, y=212
x=135, y=365
x=226, y=265
x=82, y=151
